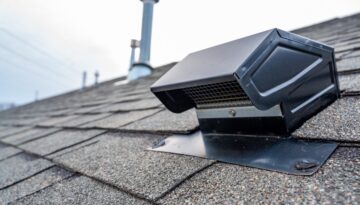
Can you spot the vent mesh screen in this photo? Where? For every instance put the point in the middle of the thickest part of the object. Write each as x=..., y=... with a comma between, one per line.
x=222, y=94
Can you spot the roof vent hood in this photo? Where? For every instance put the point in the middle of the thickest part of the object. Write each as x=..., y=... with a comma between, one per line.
x=265, y=84
x=142, y=67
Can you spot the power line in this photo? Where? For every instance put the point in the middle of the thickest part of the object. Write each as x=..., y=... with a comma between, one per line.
x=34, y=73
x=33, y=62
x=39, y=50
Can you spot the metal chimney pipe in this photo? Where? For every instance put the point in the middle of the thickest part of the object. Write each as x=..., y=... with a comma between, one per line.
x=145, y=43
x=142, y=67
x=134, y=44
x=96, y=74
x=84, y=80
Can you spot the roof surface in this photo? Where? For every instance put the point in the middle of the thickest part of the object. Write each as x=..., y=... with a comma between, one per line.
x=88, y=146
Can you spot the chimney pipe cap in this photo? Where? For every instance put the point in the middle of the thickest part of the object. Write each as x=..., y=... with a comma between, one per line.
x=155, y=1
x=134, y=43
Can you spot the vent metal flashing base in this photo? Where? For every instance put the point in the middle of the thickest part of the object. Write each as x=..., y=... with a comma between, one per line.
x=285, y=155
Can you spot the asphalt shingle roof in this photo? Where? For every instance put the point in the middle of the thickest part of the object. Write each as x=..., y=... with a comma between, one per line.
x=80, y=190
x=30, y=186
x=89, y=146
x=144, y=173
x=20, y=167
x=338, y=182
x=29, y=135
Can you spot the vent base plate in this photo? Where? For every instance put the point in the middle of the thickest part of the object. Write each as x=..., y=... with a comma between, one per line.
x=285, y=155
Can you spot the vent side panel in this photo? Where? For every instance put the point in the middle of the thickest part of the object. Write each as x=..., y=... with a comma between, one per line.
x=317, y=83
x=280, y=66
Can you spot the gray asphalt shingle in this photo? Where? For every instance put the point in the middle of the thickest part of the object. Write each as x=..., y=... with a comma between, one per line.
x=340, y=122
x=7, y=151
x=86, y=143
x=348, y=46
x=166, y=121
x=54, y=121
x=133, y=105
x=120, y=119
x=348, y=64
x=59, y=141
x=353, y=54
x=83, y=119
x=80, y=190
x=122, y=98
x=350, y=83
x=29, y=121
x=337, y=182
x=121, y=159
x=19, y=167
x=89, y=109
x=33, y=184
x=3, y=127
x=12, y=130
x=28, y=135
x=59, y=112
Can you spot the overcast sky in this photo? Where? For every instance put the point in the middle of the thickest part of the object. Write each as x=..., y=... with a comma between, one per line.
x=46, y=44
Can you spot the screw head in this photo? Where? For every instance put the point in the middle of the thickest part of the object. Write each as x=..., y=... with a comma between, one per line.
x=158, y=144
x=232, y=112
x=305, y=165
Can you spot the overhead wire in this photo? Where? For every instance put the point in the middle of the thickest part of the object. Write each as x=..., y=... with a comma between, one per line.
x=39, y=50
x=49, y=69
x=34, y=73
x=64, y=78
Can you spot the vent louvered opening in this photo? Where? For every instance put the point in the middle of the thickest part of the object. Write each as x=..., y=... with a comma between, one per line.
x=224, y=94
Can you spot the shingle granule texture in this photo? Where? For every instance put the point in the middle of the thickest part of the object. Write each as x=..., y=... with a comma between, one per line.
x=337, y=182
x=86, y=143
x=20, y=167
x=12, y=130
x=59, y=140
x=3, y=127
x=28, y=135
x=83, y=119
x=54, y=121
x=165, y=121
x=355, y=53
x=133, y=105
x=121, y=159
x=22, y=121
x=7, y=151
x=117, y=120
x=340, y=122
x=350, y=83
x=33, y=184
x=89, y=109
x=80, y=190
x=348, y=64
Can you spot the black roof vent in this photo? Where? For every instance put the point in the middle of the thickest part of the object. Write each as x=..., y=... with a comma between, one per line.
x=272, y=70
x=265, y=84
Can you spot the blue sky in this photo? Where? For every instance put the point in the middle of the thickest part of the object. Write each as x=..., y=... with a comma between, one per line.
x=45, y=45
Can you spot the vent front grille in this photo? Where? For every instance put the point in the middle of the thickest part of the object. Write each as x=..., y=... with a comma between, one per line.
x=224, y=94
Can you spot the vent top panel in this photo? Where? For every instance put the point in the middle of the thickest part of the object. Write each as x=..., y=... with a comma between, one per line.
x=221, y=60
